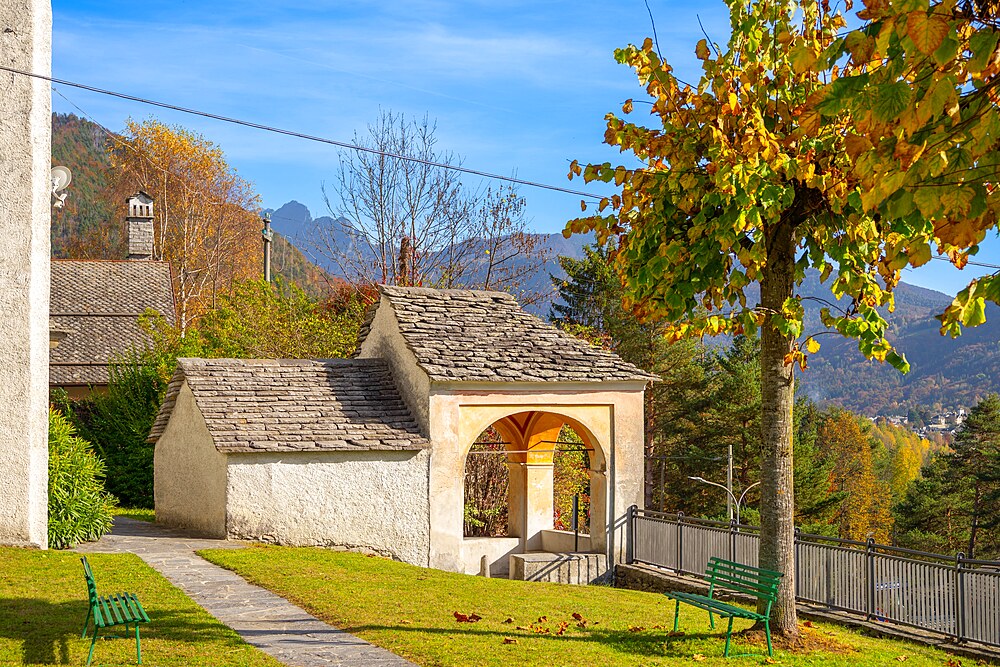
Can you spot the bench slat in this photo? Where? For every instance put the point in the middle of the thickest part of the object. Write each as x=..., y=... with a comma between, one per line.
x=715, y=606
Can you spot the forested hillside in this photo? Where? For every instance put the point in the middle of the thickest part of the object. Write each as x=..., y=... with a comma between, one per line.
x=91, y=224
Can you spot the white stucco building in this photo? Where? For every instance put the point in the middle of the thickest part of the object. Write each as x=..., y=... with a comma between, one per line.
x=370, y=453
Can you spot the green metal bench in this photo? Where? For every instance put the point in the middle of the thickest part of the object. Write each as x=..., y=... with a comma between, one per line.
x=110, y=611
x=737, y=578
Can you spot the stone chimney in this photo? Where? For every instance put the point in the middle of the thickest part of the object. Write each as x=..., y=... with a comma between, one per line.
x=140, y=226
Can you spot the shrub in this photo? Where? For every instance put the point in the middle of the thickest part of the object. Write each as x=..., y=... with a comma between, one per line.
x=118, y=424
x=79, y=508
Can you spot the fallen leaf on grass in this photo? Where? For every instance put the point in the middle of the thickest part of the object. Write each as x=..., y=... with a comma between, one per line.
x=509, y=640
x=698, y=657
x=467, y=618
x=636, y=628
x=770, y=661
x=406, y=621
x=808, y=624
x=562, y=628
x=542, y=619
x=582, y=624
x=577, y=617
x=508, y=620
x=675, y=633
x=902, y=658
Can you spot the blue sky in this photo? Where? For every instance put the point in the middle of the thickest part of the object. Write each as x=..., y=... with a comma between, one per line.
x=515, y=87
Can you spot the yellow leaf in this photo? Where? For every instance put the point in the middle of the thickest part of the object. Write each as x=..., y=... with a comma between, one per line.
x=919, y=254
x=698, y=657
x=803, y=58
x=701, y=50
x=812, y=345
x=627, y=107
x=855, y=145
x=926, y=31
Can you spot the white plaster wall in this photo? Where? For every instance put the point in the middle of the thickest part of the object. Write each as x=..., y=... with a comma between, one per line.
x=497, y=551
x=357, y=500
x=25, y=200
x=613, y=414
x=189, y=473
x=385, y=342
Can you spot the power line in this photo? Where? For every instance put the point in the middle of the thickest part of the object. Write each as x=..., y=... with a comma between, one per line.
x=300, y=135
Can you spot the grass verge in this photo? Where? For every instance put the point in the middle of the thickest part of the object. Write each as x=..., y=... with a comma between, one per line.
x=411, y=611
x=43, y=603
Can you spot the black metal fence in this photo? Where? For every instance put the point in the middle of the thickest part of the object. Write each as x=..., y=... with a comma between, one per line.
x=951, y=595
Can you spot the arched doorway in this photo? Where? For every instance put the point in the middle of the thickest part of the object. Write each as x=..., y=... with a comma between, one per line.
x=520, y=476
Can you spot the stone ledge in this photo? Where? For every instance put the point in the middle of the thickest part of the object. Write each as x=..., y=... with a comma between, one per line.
x=561, y=568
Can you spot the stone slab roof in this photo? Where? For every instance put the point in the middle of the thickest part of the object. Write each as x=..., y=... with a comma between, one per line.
x=296, y=405
x=479, y=336
x=96, y=304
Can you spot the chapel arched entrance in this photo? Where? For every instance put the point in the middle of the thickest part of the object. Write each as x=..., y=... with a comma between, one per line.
x=534, y=447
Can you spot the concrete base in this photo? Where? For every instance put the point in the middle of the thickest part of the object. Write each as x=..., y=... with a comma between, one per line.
x=560, y=568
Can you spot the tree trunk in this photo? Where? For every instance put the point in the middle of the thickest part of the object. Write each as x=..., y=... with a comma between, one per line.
x=650, y=452
x=777, y=508
x=974, y=529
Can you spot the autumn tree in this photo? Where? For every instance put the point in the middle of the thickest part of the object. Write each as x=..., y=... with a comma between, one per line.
x=204, y=223
x=404, y=217
x=865, y=509
x=789, y=154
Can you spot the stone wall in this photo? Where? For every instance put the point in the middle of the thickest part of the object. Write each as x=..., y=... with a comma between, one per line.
x=367, y=500
x=25, y=209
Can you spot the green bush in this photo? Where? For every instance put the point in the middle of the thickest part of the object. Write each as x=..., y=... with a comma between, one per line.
x=118, y=423
x=79, y=508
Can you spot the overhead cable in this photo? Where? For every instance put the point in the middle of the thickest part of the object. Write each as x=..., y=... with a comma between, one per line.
x=301, y=135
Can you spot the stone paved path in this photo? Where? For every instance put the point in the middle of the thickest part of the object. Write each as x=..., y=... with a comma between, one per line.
x=263, y=619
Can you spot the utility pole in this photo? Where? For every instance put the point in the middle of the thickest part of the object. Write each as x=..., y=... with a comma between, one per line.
x=268, y=236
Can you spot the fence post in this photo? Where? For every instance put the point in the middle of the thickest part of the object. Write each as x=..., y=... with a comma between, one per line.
x=870, y=571
x=795, y=560
x=680, y=543
x=959, y=597
x=732, y=540
x=630, y=533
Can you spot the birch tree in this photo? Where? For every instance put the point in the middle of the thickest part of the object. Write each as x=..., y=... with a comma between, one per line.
x=205, y=223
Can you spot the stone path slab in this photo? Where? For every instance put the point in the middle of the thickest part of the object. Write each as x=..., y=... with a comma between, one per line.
x=263, y=619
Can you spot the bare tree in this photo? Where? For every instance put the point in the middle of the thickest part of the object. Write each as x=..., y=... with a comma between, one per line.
x=401, y=218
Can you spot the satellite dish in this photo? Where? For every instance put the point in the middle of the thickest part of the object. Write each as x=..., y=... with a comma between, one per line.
x=61, y=178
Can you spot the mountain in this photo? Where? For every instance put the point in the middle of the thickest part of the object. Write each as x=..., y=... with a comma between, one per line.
x=295, y=221
x=81, y=146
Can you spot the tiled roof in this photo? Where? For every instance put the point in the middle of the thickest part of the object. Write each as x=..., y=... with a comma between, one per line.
x=478, y=336
x=97, y=303
x=257, y=405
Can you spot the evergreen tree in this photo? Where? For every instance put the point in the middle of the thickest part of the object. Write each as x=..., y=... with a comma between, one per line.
x=590, y=306
x=956, y=504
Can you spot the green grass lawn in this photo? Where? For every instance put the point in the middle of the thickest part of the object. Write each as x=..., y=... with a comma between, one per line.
x=43, y=602
x=136, y=513
x=410, y=610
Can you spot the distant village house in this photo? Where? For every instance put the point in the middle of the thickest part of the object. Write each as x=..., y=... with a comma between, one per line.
x=95, y=305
